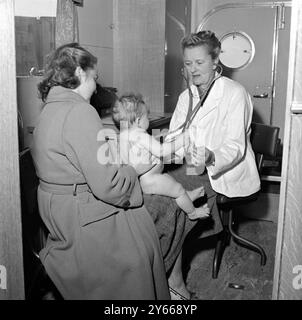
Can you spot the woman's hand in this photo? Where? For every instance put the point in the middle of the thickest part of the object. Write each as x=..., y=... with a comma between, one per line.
x=202, y=156
x=186, y=137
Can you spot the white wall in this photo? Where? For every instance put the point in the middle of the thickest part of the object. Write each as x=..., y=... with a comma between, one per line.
x=36, y=8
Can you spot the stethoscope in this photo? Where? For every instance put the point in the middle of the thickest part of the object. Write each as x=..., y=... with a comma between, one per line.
x=191, y=117
x=217, y=75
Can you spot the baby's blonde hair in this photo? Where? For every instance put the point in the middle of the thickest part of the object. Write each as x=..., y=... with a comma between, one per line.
x=128, y=108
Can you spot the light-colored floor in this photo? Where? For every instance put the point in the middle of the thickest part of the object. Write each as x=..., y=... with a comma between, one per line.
x=240, y=266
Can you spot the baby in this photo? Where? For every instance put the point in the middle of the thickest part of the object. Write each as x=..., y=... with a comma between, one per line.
x=137, y=147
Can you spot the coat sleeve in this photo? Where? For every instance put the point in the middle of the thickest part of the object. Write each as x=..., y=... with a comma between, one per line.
x=111, y=183
x=158, y=149
x=178, y=118
x=234, y=145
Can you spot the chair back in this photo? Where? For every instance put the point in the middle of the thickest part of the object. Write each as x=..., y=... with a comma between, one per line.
x=264, y=140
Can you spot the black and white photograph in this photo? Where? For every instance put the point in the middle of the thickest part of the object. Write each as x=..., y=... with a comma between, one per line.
x=150, y=152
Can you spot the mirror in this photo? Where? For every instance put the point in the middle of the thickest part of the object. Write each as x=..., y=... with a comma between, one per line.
x=35, y=23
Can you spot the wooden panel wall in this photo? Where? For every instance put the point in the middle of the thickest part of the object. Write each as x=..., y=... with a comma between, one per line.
x=10, y=212
x=288, y=262
x=292, y=237
x=139, y=49
x=297, y=94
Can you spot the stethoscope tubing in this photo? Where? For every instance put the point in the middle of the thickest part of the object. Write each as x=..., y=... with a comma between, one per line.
x=193, y=115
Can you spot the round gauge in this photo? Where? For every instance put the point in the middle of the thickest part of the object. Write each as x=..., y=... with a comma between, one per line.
x=237, y=50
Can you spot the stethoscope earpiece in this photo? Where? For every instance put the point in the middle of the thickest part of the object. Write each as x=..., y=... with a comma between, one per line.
x=219, y=66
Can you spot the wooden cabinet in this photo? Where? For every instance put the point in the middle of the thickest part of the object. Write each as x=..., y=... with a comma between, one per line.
x=96, y=34
x=139, y=49
x=128, y=37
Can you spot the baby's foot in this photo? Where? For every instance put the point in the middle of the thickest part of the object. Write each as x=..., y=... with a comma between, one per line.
x=196, y=193
x=200, y=213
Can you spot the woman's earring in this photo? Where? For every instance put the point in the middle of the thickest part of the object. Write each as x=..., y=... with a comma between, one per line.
x=137, y=120
x=219, y=66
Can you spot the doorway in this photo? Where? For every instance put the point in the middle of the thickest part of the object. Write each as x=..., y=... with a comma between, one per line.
x=265, y=78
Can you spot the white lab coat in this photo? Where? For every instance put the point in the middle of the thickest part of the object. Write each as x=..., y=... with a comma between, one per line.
x=223, y=126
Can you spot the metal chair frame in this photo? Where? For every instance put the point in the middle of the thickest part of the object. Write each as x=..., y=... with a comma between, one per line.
x=264, y=141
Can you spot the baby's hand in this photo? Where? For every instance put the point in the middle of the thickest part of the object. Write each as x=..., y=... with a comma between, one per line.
x=200, y=213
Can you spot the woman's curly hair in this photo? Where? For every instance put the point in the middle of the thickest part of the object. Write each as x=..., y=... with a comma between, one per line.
x=61, y=66
x=205, y=37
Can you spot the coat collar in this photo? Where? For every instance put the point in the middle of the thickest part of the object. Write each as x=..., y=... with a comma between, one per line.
x=60, y=94
x=217, y=88
x=212, y=100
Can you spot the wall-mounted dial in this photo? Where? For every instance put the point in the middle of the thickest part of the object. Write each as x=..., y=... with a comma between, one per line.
x=237, y=50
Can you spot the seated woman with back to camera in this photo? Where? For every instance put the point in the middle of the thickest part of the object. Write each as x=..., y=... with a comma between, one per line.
x=102, y=242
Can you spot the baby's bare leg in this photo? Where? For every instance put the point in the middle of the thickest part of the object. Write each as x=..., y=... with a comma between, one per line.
x=166, y=185
x=200, y=213
x=196, y=193
x=186, y=204
x=162, y=184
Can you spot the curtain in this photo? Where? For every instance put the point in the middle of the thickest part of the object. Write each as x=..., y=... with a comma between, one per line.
x=66, y=22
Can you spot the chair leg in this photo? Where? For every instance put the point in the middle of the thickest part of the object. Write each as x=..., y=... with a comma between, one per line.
x=246, y=242
x=222, y=242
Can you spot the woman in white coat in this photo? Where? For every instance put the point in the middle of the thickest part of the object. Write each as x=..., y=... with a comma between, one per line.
x=218, y=113
x=221, y=127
